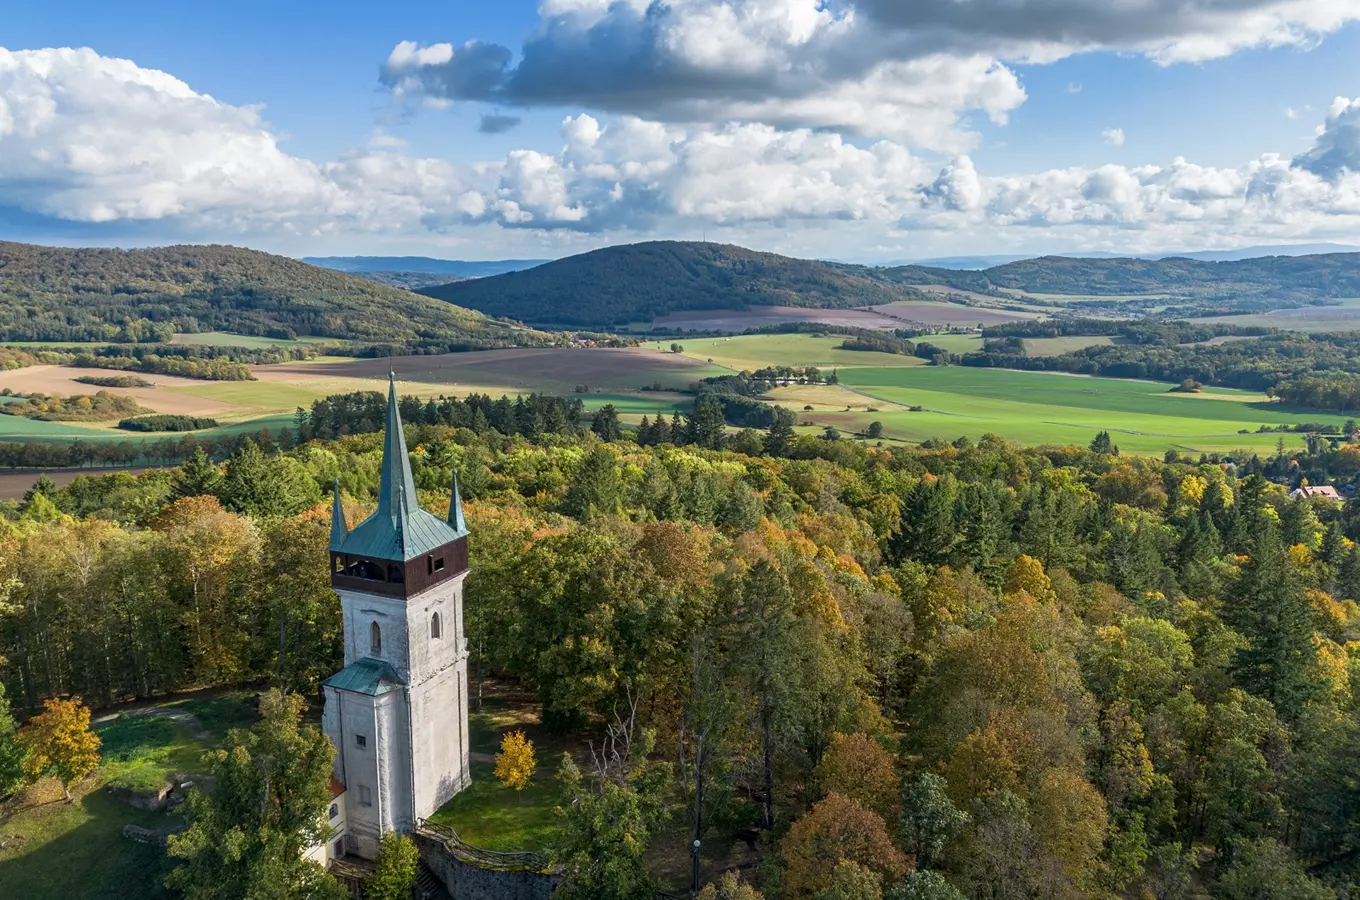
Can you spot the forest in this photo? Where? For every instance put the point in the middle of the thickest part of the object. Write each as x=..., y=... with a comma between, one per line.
x=966, y=670
x=145, y=296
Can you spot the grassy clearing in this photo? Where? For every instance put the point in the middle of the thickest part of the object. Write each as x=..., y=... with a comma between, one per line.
x=954, y=343
x=754, y=351
x=1037, y=408
x=223, y=339
x=491, y=816
x=59, y=851
x=1057, y=346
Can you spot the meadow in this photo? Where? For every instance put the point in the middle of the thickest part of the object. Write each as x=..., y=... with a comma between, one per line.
x=1344, y=316
x=1049, y=408
x=755, y=351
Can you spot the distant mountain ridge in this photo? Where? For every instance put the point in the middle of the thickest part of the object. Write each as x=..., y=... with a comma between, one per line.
x=424, y=265
x=1280, y=278
x=638, y=282
x=85, y=294
x=987, y=262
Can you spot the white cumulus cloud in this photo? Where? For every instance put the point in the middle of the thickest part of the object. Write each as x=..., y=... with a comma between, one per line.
x=1113, y=136
x=91, y=139
x=908, y=71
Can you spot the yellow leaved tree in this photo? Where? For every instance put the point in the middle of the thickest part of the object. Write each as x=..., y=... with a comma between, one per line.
x=60, y=743
x=515, y=764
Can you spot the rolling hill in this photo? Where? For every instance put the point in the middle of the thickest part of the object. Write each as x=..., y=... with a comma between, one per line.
x=70, y=294
x=1282, y=278
x=637, y=282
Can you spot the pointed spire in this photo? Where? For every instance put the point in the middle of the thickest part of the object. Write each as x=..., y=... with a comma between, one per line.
x=398, y=529
x=339, y=530
x=397, y=489
x=456, y=507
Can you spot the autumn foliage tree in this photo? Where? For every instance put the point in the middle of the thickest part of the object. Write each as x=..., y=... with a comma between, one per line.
x=836, y=829
x=60, y=743
x=515, y=764
x=857, y=767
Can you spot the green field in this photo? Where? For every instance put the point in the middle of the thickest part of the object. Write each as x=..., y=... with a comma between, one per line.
x=1344, y=316
x=222, y=339
x=20, y=429
x=1040, y=408
x=754, y=351
x=1078, y=298
x=954, y=343
x=1057, y=346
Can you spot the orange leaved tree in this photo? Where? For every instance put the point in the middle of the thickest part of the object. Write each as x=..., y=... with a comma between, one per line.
x=60, y=743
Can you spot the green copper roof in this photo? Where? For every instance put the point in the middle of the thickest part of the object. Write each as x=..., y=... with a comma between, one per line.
x=365, y=676
x=399, y=529
x=338, y=527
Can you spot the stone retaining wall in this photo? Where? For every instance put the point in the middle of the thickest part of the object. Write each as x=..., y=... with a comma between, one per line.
x=465, y=879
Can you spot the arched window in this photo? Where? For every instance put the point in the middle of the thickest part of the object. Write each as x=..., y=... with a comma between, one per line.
x=435, y=632
x=375, y=638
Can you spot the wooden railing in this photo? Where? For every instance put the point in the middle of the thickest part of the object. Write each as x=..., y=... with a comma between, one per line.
x=517, y=861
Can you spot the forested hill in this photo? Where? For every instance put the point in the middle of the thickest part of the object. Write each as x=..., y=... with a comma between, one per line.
x=637, y=282
x=1287, y=278
x=73, y=294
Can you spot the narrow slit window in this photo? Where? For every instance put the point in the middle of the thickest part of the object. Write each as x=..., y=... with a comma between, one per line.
x=436, y=632
x=375, y=638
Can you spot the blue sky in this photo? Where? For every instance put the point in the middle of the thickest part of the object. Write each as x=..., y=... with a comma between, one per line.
x=835, y=129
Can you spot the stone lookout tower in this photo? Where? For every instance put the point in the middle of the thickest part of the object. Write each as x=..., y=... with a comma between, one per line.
x=398, y=711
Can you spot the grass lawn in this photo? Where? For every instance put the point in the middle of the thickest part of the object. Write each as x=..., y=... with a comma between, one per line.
x=59, y=851
x=1038, y=408
x=491, y=816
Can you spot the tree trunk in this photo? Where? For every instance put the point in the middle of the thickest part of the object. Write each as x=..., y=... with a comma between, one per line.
x=767, y=761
